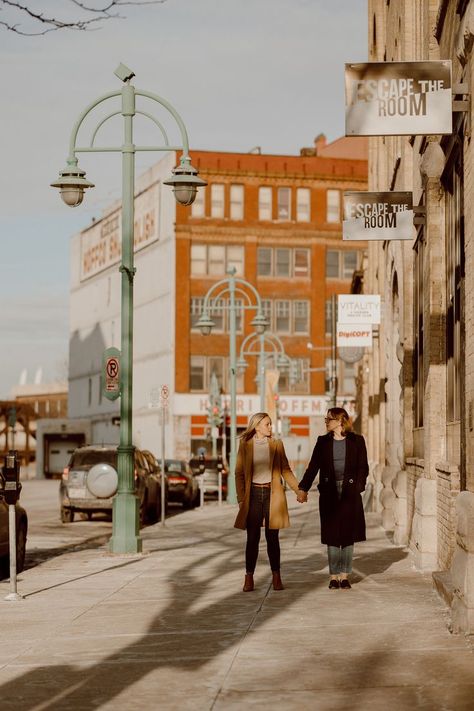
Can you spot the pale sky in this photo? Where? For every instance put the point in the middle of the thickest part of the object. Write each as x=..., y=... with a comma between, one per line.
x=242, y=73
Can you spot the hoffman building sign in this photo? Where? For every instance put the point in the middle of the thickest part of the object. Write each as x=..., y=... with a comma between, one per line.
x=398, y=98
x=377, y=216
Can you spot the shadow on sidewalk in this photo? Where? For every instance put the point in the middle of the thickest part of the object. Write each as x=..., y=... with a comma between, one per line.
x=190, y=632
x=178, y=637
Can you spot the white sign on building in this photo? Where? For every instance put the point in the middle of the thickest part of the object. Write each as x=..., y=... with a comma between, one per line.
x=350, y=335
x=377, y=216
x=398, y=98
x=358, y=309
x=195, y=404
x=101, y=244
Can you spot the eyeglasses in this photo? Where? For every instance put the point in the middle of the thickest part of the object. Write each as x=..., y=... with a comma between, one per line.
x=329, y=419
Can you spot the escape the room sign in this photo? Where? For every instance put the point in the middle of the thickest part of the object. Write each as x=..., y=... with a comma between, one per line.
x=398, y=98
x=377, y=216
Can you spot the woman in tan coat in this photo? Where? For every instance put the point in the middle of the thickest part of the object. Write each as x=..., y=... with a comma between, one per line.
x=261, y=464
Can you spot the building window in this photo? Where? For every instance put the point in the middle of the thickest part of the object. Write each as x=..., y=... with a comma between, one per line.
x=301, y=386
x=332, y=263
x=350, y=264
x=215, y=365
x=89, y=392
x=282, y=265
x=282, y=262
x=216, y=259
x=284, y=204
x=301, y=268
x=198, y=207
x=347, y=378
x=264, y=261
x=195, y=310
x=303, y=205
x=236, y=202
x=301, y=316
x=196, y=373
x=267, y=312
x=282, y=316
x=264, y=203
x=217, y=200
x=333, y=206
x=340, y=264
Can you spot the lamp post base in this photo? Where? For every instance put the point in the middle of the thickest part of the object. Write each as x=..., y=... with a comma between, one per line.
x=125, y=532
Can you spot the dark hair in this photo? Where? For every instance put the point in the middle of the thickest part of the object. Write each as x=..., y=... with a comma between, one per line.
x=254, y=420
x=338, y=413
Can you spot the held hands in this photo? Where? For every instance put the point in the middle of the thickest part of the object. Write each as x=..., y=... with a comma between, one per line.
x=302, y=496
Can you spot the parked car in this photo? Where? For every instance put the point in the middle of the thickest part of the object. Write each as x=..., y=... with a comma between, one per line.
x=155, y=467
x=211, y=474
x=89, y=483
x=21, y=534
x=183, y=485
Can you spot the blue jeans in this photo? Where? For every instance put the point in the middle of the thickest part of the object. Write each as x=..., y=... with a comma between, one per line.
x=340, y=559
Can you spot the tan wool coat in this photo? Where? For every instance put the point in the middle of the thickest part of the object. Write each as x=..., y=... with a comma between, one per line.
x=243, y=480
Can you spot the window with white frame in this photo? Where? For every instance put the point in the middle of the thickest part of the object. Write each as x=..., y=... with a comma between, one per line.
x=264, y=261
x=284, y=204
x=303, y=205
x=282, y=316
x=282, y=262
x=236, y=202
x=301, y=262
x=333, y=206
x=267, y=312
x=217, y=200
x=301, y=386
x=300, y=316
x=235, y=258
x=197, y=373
x=216, y=259
x=328, y=317
x=196, y=305
x=264, y=203
x=198, y=207
x=340, y=264
x=198, y=259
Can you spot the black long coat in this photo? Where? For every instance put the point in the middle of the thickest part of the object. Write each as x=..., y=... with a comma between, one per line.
x=342, y=520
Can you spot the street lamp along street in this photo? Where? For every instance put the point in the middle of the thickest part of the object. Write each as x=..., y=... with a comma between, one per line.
x=72, y=183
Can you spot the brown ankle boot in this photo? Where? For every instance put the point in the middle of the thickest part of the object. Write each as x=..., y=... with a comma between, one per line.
x=248, y=582
x=277, y=584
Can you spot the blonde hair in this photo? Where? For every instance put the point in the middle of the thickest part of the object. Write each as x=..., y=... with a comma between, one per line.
x=338, y=413
x=254, y=420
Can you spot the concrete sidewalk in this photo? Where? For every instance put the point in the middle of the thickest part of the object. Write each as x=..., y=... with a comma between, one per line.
x=172, y=629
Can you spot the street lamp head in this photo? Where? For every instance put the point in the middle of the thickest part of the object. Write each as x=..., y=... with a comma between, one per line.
x=259, y=323
x=205, y=324
x=282, y=361
x=185, y=181
x=72, y=183
x=241, y=364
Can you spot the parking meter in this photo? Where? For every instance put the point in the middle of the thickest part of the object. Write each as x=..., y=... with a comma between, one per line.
x=220, y=467
x=11, y=485
x=202, y=464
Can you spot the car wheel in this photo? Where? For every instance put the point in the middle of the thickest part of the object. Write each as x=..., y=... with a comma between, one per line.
x=20, y=548
x=67, y=515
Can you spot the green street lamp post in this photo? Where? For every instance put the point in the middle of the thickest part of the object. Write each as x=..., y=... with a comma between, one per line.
x=230, y=287
x=72, y=183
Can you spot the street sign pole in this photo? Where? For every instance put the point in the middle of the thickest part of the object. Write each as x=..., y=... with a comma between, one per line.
x=164, y=395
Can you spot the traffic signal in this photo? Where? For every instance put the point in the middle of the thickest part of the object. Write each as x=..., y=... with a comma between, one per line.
x=215, y=416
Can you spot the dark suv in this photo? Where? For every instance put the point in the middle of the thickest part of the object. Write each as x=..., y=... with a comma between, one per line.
x=89, y=483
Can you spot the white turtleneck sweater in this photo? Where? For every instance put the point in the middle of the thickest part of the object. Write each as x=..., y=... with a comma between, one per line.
x=261, y=461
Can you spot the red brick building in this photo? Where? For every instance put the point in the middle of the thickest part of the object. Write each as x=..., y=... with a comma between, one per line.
x=277, y=220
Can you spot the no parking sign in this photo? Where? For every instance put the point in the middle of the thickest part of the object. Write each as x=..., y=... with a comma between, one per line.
x=111, y=373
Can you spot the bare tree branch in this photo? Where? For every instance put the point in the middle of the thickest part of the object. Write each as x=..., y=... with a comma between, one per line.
x=52, y=24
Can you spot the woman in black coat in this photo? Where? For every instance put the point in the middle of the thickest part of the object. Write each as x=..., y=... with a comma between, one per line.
x=340, y=457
